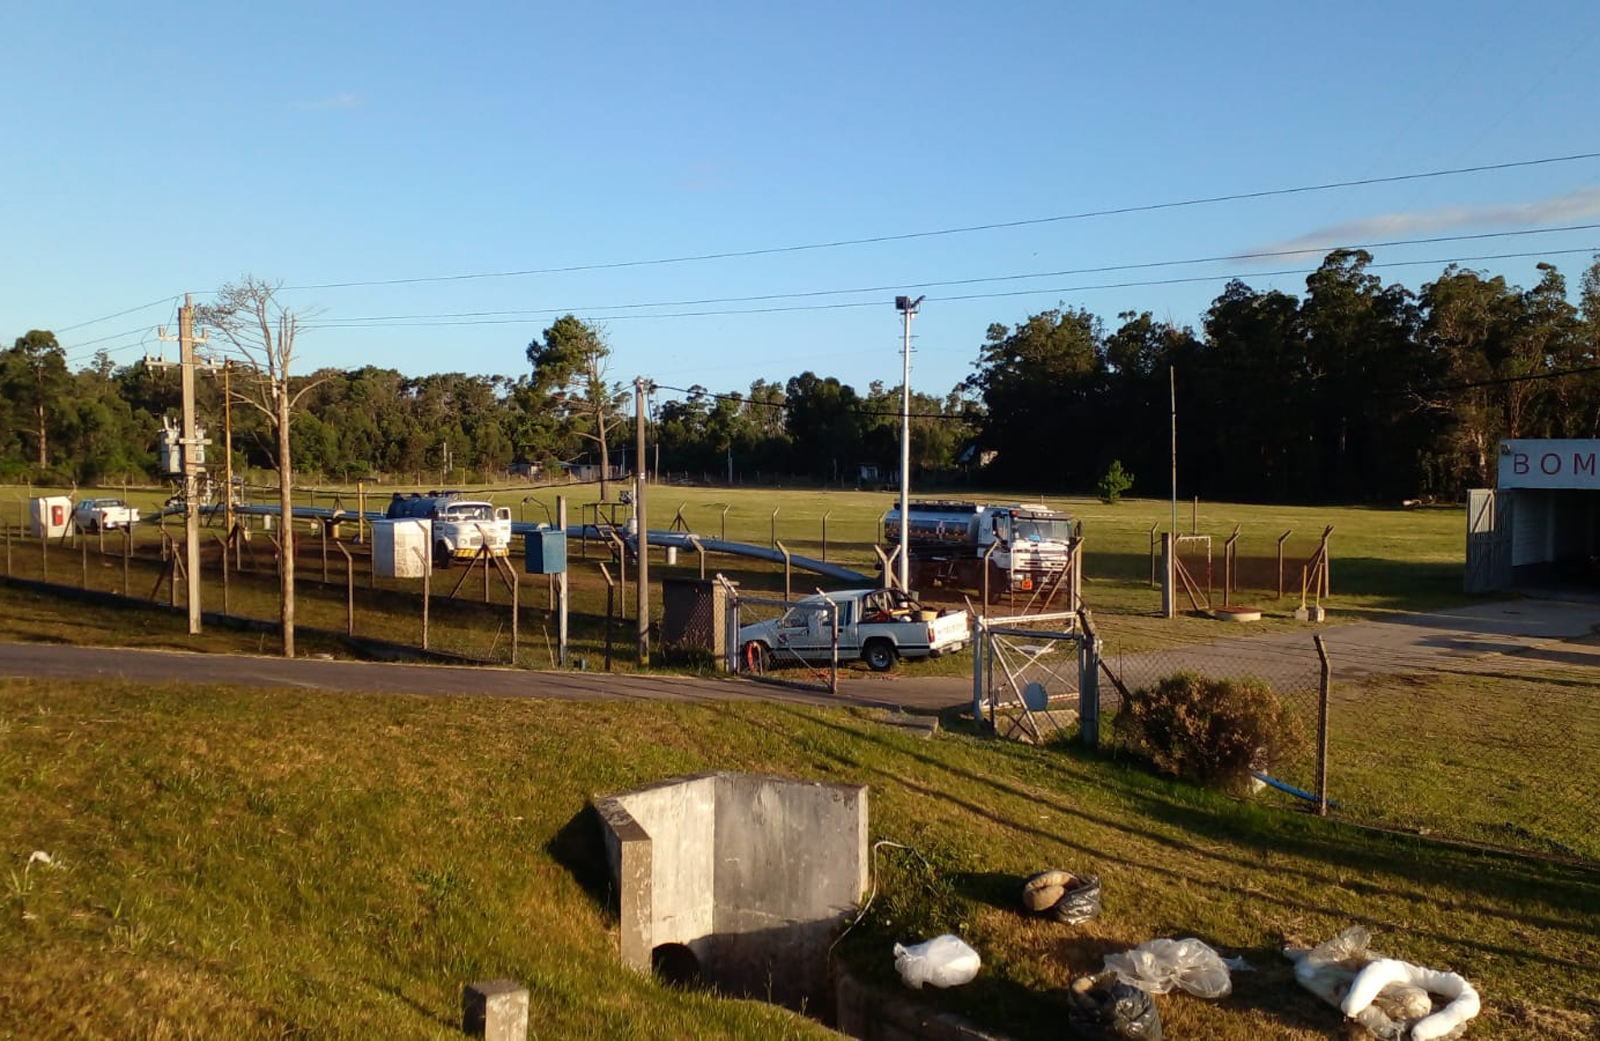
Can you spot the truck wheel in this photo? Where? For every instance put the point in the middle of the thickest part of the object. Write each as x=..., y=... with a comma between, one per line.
x=441, y=556
x=879, y=655
x=757, y=657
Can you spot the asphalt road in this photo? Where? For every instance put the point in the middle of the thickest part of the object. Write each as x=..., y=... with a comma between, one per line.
x=27, y=660
x=1408, y=643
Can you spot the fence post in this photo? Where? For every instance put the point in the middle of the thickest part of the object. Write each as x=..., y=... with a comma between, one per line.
x=223, y=543
x=127, y=551
x=1322, y=727
x=979, y=645
x=730, y=625
x=1169, y=598
x=787, y=571
x=83, y=563
x=349, y=589
x=1089, y=683
x=825, y=517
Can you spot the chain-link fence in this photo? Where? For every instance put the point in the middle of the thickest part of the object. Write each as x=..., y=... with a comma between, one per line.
x=793, y=643
x=1501, y=748
x=1291, y=668
x=1028, y=674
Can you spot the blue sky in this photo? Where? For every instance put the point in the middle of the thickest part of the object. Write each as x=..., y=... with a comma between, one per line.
x=171, y=148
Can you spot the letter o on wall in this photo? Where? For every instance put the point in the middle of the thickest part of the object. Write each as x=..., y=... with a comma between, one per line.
x=1550, y=463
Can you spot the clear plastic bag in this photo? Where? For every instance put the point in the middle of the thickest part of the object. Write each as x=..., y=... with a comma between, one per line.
x=1157, y=966
x=944, y=961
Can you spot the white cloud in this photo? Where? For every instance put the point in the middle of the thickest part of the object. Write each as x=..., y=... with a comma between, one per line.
x=1576, y=205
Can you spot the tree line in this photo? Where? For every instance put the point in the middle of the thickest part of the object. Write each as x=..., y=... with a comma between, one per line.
x=1355, y=391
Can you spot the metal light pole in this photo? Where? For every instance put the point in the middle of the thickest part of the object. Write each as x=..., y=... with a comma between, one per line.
x=908, y=309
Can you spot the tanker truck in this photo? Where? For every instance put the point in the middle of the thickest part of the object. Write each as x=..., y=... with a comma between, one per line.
x=1029, y=548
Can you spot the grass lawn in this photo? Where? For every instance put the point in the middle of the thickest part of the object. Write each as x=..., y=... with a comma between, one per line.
x=246, y=863
x=1383, y=560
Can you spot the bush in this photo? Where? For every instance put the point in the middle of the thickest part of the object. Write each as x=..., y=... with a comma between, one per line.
x=1114, y=482
x=1213, y=732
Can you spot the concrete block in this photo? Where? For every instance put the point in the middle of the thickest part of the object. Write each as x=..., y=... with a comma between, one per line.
x=1309, y=614
x=496, y=1010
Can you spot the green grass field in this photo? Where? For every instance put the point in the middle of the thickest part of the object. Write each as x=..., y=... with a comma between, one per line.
x=1383, y=560
x=250, y=864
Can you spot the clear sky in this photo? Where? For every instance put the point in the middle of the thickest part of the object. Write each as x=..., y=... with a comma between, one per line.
x=162, y=148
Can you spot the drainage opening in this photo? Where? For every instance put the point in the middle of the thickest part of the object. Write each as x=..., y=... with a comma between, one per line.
x=676, y=964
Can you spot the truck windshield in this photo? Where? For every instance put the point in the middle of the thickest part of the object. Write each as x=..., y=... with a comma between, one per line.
x=468, y=512
x=1040, y=529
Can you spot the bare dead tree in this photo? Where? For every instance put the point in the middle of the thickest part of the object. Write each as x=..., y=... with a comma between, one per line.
x=256, y=324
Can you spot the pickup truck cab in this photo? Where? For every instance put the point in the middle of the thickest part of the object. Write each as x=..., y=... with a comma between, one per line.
x=878, y=626
x=93, y=515
x=461, y=527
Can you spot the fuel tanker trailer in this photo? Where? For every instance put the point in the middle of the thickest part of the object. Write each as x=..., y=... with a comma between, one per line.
x=1027, y=547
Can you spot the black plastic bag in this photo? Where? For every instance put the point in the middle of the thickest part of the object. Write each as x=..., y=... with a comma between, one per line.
x=1062, y=895
x=1104, y=1008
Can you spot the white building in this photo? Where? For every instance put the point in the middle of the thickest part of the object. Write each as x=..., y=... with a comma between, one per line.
x=1541, y=526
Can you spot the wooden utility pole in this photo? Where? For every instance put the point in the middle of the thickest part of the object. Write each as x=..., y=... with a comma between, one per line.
x=643, y=599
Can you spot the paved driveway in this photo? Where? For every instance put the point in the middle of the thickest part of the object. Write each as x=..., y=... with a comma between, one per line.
x=1408, y=643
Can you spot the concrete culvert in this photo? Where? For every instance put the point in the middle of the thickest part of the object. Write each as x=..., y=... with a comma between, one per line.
x=676, y=964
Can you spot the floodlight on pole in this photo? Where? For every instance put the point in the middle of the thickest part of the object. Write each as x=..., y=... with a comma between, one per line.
x=908, y=309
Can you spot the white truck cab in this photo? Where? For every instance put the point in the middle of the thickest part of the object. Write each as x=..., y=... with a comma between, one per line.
x=461, y=527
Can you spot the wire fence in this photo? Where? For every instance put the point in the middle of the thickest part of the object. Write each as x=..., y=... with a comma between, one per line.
x=1291, y=668
x=1502, y=749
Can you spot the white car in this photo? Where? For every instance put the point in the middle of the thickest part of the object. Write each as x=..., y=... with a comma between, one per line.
x=103, y=515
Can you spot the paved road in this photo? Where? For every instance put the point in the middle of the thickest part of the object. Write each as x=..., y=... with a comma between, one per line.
x=152, y=666
x=1403, y=644
x=1357, y=650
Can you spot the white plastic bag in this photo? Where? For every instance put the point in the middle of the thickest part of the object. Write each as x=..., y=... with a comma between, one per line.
x=944, y=961
x=1156, y=966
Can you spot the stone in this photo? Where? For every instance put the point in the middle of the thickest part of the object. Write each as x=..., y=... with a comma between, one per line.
x=496, y=1010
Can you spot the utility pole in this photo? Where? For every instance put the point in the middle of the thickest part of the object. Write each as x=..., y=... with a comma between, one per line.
x=190, y=445
x=908, y=310
x=1172, y=385
x=642, y=573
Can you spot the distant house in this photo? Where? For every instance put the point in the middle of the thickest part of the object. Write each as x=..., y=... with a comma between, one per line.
x=526, y=471
x=974, y=456
x=591, y=471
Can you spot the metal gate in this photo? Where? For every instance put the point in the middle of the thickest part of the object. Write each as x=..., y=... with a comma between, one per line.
x=811, y=668
x=1029, y=675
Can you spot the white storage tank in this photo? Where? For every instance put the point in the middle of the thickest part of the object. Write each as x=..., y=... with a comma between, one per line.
x=402, y=548
x=49, y=516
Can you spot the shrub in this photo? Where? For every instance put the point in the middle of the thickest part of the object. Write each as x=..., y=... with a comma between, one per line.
x=1213, y=732
x=1114, y=482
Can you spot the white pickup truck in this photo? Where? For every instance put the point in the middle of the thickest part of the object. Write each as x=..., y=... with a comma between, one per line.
x=93, y=515
x=878, y=626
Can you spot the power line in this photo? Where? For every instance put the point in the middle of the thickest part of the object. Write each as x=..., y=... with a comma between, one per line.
x=1055, y=291
x=354, y=321
x=119, y=314
x=963, y=230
